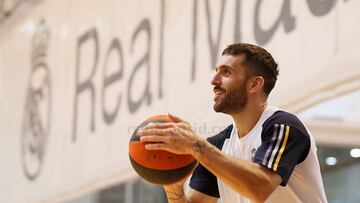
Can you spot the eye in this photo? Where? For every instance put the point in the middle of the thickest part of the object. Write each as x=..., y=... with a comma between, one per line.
x=226, y=72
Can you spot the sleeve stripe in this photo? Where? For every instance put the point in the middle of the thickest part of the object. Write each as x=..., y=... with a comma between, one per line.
x=280, y=136
x=271, y=144
x=282, y=148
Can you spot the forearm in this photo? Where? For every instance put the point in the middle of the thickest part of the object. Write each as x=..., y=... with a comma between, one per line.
x=175, y=194
x=247, y=178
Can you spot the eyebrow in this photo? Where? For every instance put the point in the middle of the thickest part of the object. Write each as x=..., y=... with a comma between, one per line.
x=224, y=66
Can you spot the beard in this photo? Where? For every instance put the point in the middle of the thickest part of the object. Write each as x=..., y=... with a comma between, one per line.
x=233, y=101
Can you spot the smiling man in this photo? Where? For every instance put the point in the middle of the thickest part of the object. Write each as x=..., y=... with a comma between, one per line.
x=265, y=155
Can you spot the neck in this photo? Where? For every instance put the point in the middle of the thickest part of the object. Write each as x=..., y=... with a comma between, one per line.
x=247, y=118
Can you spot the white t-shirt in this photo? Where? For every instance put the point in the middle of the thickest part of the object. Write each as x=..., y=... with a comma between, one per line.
x=278, y=141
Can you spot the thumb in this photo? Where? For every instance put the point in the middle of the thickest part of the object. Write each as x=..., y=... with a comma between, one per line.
x=175, y=118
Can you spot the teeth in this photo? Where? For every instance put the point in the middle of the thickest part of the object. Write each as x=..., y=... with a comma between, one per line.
x=217, y=93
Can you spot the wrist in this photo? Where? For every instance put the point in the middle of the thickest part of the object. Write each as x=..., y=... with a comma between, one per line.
x=198, y=148
x=174, y=192
x=174, y=188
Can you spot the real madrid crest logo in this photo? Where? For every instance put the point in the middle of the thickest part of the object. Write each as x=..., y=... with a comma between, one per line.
x=37, y=114
x=253, y=151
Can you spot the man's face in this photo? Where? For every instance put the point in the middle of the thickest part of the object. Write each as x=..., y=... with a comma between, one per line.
x=230, y=85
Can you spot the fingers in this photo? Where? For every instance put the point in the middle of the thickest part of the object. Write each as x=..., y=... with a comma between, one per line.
x=166, y=136
x=166, y=125
x=155, y=143
x=161, y=146
x=153, y=138
x=156, y=146
x=158, y=126
x=155, y=131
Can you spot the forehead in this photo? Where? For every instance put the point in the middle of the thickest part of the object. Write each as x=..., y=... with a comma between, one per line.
x=231, y=61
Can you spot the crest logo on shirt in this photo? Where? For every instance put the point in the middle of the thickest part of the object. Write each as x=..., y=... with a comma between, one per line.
x=252, y=153
x=37, y=114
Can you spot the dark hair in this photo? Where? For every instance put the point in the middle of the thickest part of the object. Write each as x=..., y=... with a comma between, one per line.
x=258, y=62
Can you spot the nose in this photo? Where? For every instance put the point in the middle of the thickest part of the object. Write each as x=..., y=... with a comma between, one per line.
x=216, y=81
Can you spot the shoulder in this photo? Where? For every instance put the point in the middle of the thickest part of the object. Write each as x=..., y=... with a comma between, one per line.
x=219, y=139
x=284, y=118
x=284, y=125
x=285, y=143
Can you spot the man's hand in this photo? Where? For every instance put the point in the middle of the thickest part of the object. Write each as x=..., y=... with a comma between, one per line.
x=177, y=137
x=175, y=192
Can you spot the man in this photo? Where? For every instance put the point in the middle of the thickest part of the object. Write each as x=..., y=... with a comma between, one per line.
x=265, y=155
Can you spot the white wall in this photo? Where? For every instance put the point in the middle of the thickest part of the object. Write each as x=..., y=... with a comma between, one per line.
x=69, y=105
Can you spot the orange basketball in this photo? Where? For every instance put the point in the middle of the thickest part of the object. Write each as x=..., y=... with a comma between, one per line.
x=158, y=166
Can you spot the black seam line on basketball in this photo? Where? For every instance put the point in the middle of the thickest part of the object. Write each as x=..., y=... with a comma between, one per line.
x=160, y=176
x=135, y=138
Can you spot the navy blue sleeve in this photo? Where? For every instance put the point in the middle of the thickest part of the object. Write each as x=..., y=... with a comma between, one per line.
x=285, y=143
x=203, y=180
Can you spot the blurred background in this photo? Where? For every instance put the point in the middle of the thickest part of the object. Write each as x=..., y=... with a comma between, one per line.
x=77, y=77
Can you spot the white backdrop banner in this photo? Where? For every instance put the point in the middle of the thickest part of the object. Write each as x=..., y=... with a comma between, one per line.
x=77, y=76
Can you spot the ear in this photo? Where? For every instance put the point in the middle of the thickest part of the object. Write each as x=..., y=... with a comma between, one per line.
x=256, y=84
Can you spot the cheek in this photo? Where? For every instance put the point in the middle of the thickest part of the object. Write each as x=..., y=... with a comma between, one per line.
x=229, y=81
x=233, y=83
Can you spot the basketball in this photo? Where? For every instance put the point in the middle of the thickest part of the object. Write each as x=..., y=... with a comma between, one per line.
x=158, y=166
